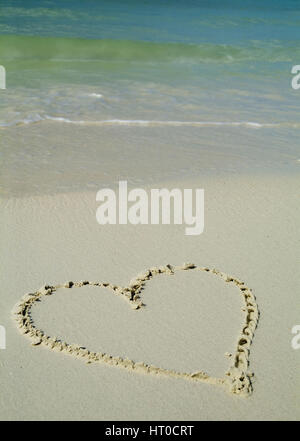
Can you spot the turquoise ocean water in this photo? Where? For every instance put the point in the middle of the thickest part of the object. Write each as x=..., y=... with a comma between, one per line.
x=162, y=63
x=131, y=60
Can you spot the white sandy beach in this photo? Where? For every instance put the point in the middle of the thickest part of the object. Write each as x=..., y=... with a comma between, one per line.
x=189, y=322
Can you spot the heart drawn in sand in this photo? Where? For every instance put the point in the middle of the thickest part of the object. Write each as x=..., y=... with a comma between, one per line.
x=236, y=380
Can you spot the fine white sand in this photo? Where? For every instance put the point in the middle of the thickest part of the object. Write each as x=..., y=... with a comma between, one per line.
x=189, y=320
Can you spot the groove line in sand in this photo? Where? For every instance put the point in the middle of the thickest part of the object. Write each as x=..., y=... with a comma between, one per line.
x=237, y=379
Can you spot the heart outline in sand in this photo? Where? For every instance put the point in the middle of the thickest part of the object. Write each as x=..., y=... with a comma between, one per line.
x=236, y=380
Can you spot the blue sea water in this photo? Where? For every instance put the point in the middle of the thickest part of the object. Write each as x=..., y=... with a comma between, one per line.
x=190, y=21
x=203, y=83
x=197, y=60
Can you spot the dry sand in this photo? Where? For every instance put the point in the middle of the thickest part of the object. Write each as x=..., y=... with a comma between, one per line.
x=189, y=320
